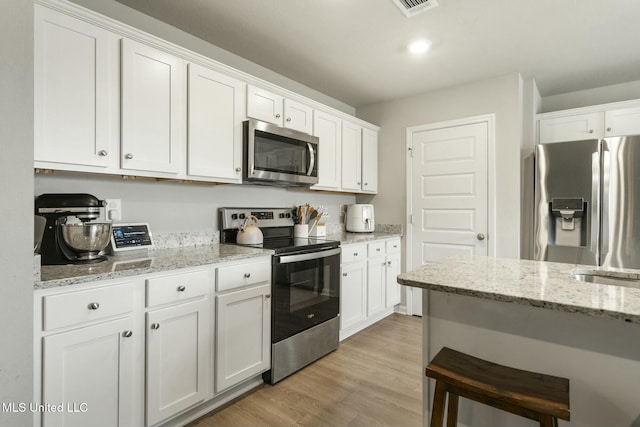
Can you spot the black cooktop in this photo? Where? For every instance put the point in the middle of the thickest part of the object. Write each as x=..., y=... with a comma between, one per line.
x=291, y=244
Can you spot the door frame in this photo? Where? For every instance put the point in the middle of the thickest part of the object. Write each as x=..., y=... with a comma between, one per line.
x=490, y=119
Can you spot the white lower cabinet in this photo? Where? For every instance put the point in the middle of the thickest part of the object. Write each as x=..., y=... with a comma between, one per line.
x=243, y=335
x=369, y=289
x=178, y=358
x=90, y=372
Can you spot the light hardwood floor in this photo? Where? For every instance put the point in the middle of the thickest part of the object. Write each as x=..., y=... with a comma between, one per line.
x=373, y=379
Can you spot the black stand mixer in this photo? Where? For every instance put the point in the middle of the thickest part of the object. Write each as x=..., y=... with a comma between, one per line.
x=69, y=235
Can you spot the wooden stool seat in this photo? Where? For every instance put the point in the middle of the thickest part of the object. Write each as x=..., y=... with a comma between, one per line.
x=539, y=397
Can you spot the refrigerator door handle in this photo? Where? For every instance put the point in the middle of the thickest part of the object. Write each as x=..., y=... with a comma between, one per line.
x=603, y=201
x=595, y=210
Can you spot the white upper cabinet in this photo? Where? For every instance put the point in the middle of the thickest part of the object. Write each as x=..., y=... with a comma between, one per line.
x=152, y=110
x=298, y=116
x=272, y=108
x=328, y=129
x=599, y=121
x=351, y=156
x=571, y=128
x=369, y=161
x=621, y=122
x=75, y=92
x=216, y=108
x=264, y=105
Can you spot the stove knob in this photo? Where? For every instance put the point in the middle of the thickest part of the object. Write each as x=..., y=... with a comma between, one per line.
x=288, y=215
x=234, y=216
x=281, y=215
x=241, y=216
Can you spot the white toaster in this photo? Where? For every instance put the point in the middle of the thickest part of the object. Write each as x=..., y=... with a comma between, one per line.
x=360, y=218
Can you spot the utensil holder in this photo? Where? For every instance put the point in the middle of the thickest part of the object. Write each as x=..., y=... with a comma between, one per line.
x=301, y=230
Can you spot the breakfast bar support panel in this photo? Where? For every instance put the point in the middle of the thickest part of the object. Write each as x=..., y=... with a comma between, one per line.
x=601, y=357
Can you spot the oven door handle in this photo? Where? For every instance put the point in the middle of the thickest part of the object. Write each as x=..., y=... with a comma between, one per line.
x=286, y=259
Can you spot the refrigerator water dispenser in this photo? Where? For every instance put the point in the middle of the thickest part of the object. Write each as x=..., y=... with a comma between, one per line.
x=569, y=225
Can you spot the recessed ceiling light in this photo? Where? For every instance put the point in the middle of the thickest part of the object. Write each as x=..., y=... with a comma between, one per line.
x=419, y=46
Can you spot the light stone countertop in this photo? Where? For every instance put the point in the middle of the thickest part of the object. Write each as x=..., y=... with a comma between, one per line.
x=350, y=238
x=535, y=283
x=153, y=261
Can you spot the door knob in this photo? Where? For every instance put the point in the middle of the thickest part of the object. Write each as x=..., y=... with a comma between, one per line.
x=480, y=236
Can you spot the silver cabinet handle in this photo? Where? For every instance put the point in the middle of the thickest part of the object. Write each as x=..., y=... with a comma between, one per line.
x=127, y=334
x=288, y=119
x=378, y=249
x=480, y=236
x=366, y=183
x=389, y=263
x=384, y=263
x=608, y=129
x=267, y=296
x=358, y=183
x=247, y=275
x=238, y=169
x=94, y=306
x=344, y=274
x=128, y=156
x=155, y=326
x=278, y=116
x=355, y=254
x=181, y=288
x=102, y=153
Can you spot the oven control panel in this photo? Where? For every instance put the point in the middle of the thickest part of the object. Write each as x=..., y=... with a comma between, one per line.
x=267, y=217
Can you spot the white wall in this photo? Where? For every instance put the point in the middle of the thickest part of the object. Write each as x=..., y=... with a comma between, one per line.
x=16, y=209
x=502, y=96
x=132, y=17
x=585, y=98
x=171, y=207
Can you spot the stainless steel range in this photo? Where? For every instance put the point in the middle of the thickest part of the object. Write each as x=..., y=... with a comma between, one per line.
x=305, y=280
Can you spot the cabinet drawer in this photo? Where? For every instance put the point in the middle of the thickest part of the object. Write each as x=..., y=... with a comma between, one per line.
x=239, y=275
x=376, y=248
x=354, y=253
x=72, y=308
x=393, y=246
x=177, y=287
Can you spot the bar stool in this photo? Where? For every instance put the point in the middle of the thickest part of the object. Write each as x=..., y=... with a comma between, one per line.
x=539, y=397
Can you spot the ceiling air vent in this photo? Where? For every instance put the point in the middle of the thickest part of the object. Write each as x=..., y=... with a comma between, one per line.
x=413, y=7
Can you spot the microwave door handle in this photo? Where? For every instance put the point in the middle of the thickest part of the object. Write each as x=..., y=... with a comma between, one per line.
x=312, y=161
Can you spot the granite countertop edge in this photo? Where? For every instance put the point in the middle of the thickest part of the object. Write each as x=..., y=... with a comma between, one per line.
x=539, y=284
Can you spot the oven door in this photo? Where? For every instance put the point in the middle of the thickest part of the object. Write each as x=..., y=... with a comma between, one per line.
x=280, y=156
x=306, y=291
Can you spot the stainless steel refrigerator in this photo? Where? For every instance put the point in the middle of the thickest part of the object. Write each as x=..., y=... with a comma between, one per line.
x=588, y=202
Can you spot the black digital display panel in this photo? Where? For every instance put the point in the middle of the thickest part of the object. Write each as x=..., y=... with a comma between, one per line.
x=131, y=236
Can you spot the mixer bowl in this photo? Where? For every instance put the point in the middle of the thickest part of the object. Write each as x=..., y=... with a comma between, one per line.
x=85, y=238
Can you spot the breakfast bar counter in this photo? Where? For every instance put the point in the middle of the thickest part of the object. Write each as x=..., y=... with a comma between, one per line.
x=536, y=316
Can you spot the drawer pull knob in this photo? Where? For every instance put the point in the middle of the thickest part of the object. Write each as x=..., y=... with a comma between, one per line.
x=181, y=288
x=127, y=334
x=378, y=249
x=267, y=296
x=247, y=275
x=155, y=326
x=384, y=263
x=389, y=263
x=94, y=306
x=344, y=274
x=355, y=254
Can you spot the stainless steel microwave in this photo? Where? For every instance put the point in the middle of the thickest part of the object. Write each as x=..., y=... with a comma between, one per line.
x=278, y=156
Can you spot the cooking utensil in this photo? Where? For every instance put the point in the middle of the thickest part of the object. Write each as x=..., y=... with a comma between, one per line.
x=248, y=233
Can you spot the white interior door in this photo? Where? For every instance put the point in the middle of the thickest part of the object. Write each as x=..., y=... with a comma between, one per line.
x=448, y=194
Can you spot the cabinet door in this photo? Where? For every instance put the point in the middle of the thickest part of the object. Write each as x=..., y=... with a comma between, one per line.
x=353, y=294
x=243, y=336
x=264, y=105
x=216, y=109
x=178, y=358
x=152, y=113
x=393, y=287
x=75, y=90
x=329, y=131
x=571, y=128
x=376, y=285
x=622, y=122
x=90, y=371
x=351, y=156
x=369, y=161
x=298, y=116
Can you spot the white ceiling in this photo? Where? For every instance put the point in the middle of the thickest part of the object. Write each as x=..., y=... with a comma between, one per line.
x=355, y=50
